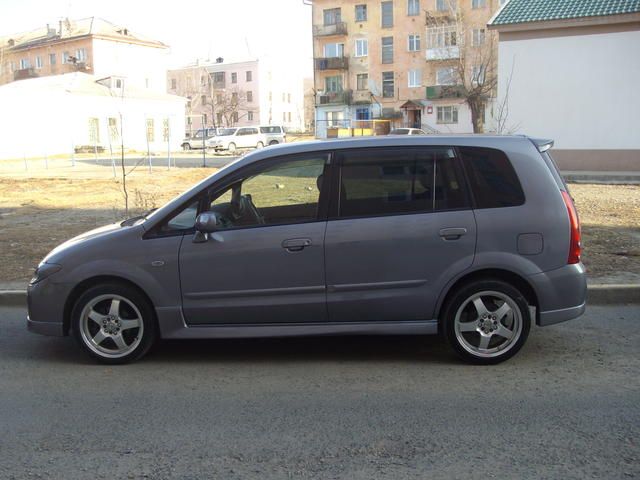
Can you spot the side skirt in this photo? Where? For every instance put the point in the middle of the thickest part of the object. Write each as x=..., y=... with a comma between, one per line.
x=172, y=326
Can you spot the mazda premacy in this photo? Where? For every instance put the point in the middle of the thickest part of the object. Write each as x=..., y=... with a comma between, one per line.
x=475, y=237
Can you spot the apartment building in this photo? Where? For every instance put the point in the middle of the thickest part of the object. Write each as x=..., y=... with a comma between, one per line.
x=395, y=60
x=240, y=92
x=90, y=45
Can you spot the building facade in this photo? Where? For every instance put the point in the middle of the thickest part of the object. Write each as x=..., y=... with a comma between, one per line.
x=234, y=93
x=394, y=60
x=569, y=71
x=89, y=45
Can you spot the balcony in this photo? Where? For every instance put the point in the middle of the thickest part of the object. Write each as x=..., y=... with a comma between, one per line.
x=440, y=92
x=334, y=98
x=339, y=28
x=25, y=73
x=361, y=97
x=332, y=63
x=443, y=53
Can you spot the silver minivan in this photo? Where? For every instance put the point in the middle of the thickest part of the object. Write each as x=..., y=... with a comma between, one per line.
x=475, y=237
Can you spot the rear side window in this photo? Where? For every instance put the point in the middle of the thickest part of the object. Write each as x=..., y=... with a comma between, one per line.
x=493, y=180
x=376, y=182
x=270, y=130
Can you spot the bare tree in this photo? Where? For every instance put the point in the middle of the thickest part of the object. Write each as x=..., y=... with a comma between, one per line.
x=471, y=53
x=231, y=104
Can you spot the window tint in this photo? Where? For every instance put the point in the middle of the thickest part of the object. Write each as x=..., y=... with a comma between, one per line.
x=283, y=194
x=383, y=182
x=493, y=181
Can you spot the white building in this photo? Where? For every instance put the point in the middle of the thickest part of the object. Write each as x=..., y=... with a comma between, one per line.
x=55, y=114
x=569, y=70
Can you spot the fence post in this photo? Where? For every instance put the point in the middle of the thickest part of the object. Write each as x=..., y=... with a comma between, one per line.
x=73, y=156
x=168, y=146
x=146, y=129
x=24, y=157
x=46, y=161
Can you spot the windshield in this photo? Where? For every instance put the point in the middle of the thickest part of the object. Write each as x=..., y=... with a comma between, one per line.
x=228, y=131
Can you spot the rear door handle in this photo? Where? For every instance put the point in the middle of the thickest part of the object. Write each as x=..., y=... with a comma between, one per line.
x=453, y=233
x=296, y=244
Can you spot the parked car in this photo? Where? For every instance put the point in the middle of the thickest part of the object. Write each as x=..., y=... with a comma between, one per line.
x=195, y=141
x=473, y=236
x=407, y=131
x=247, y=137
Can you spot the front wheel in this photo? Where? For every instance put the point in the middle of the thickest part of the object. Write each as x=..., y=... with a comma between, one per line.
x=487, y=321
x=259, y=145
x=232, y=147
x=114, y=323
x=186, y=147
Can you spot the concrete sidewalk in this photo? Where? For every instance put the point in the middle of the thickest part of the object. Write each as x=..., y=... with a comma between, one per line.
x=592, y=176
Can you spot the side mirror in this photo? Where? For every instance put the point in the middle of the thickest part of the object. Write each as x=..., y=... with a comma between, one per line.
x=207, y=222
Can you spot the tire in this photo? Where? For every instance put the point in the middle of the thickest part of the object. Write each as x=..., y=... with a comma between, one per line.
x=232, y=147
x=273, y=142
x=260, y=145
x=486, y=321
x=114, y=323
x=186, y=147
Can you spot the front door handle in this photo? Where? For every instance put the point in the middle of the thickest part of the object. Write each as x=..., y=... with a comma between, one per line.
x=296, y=244
x=453, y=233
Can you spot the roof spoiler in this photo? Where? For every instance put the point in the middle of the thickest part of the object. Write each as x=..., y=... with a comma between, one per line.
x=542, y=144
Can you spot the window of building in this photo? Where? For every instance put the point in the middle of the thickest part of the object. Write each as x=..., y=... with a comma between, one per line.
x=477, y=37
x=235, y=117
x=415, y=78
x=413, y=7
x=219, y=98
x=446, y=76
x=446, y=5
x=174, y=84
x=250, y=115
x=493, y=181
x=334, y=50
x=388, y=85
x=362, y=81
x=387, y=49
x=387, y=14
x=38, y=62
x=477, y=75
x=414, y=43
x=81, y=55
x=284, y=117
x=333, y=84
x=270, y=96
x=24, y=63
x=203, y=99
x=284, y=97
x=112, y=123
x=65, y=57
x=289, y=117
x=118, y=83
x=288, y=98
x=443, y=36
x=395, y=181
x=362, y=47
x=94, y=131
x=447, y=114
x=361, y=13
x=363, y=113
x=165, y=129
x=249, y=96
x=204, y=118
x=248, y=76
x=234, y=97
x=234, y=77
x=332, y=16
x=218, y=77
x=151, y=134
x=478, y=3
x=335, y=119
x=52, y=59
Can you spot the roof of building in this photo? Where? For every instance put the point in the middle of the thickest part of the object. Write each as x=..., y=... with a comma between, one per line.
x=68, y=29
x=79, y=83
x=526, y=11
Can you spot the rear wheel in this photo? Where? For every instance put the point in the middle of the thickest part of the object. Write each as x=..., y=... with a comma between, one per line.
x=232, y=147
x=273, y=142
x=114, y=323
x=260, y=145
x=487, y=321
x=186, y=146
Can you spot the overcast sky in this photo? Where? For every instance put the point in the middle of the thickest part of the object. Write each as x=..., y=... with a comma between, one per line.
x=193, y=28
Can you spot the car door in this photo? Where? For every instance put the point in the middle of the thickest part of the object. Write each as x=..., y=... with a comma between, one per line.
x=265, y=264
x=399, y=228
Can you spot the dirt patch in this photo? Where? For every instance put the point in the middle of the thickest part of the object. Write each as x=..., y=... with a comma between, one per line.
x=36, y=214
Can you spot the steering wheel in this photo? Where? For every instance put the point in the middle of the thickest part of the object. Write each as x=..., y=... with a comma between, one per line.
x=252, y=209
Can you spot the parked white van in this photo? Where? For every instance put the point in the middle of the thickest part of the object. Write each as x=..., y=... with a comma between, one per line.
x=232, y=139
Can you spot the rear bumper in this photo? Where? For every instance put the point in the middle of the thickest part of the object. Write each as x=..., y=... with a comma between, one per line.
x=561, y=293
x=55, y=329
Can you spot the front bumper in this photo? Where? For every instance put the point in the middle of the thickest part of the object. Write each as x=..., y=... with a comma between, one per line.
x=55, y=329
x=45, y=307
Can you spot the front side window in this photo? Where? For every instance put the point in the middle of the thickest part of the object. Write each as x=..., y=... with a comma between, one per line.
x=492, y=179
x=361, y=13
x=282, y=194
x=387, y=14
x=377, y=182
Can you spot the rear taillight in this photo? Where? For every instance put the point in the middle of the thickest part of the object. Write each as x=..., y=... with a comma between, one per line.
x=574, y=245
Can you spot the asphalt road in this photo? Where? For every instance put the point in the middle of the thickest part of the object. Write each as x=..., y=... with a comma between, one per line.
x=567, y=406
x=182, y=161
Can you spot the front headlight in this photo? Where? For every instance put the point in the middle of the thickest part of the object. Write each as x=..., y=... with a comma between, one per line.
x=43, y=271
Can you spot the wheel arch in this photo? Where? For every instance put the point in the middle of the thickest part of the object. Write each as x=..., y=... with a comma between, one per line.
x=87, y=283
x=508, y=276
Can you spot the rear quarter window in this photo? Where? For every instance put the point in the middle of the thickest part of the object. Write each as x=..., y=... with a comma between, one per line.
x=492, y=179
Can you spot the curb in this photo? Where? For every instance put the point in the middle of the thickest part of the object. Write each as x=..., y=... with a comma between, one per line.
x=596, y=295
